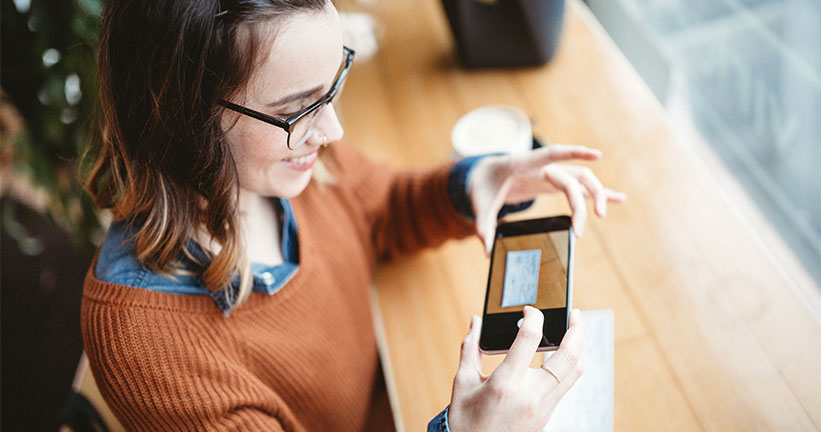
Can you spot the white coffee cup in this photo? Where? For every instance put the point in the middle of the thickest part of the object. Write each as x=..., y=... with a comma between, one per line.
x=492, y=129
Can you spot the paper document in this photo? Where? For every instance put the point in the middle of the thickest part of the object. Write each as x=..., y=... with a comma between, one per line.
x=588, y=406
x=521, y=277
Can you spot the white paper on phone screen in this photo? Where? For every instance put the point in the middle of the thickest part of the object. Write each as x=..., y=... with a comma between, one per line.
x=521, y=285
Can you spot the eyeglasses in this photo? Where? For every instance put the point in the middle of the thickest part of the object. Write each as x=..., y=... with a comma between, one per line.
x=301, y=125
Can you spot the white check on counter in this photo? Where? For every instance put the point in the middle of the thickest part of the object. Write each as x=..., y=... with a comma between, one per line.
x=588, y=406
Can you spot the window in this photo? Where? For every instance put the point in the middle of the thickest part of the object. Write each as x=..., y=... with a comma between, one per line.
x=746, y=76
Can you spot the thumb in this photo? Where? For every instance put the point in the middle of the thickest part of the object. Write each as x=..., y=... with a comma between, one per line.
x=486, y=233
x=486, y=218
x=470, y=361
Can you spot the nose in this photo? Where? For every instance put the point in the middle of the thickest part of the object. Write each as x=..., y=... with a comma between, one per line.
x=327, y=125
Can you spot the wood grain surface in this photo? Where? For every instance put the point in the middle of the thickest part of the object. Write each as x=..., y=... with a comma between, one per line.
x=716, y=325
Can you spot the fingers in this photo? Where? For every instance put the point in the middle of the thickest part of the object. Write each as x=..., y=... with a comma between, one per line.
x=565, y=360
x=487, y=240
x=553, y=392
x=615, y=196
x=470, y=363
x=557, y=152
x=486, y=216
x=594, y=187
x=527, y=341
x=486, y=226
x=571, y=187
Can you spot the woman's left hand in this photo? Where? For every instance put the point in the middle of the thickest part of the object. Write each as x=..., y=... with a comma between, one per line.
x=503, y=179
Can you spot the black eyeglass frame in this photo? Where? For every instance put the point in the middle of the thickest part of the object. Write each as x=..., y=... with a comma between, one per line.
x=288, y=124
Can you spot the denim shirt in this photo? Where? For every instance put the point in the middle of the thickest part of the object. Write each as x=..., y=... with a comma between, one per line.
x=116, y=262
x=440, y=422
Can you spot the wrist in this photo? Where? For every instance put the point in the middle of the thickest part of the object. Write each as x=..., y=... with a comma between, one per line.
x=440, y=422
x=487, y=168
x=455, y=418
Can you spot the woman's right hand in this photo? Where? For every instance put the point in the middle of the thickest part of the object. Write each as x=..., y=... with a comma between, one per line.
x=514, y=396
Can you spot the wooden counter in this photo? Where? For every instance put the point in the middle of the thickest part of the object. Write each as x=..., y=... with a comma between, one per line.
x=716, y=325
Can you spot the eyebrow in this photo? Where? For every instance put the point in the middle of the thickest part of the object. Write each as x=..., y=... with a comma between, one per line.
x=295, y=97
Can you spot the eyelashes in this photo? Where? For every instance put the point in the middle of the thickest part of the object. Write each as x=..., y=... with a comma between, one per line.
x=291, y=114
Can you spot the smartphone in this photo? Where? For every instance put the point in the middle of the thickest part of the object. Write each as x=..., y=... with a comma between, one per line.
x=531, y=264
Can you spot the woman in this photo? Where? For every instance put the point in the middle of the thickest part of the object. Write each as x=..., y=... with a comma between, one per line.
x=230, y=292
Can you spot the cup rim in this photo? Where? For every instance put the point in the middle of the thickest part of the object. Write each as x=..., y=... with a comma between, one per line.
x=464, y=148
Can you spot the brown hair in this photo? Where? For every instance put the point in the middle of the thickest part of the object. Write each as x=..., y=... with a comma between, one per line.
x=164, y=164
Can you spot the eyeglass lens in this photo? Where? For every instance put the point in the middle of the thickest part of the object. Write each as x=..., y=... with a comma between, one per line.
x=304, y=127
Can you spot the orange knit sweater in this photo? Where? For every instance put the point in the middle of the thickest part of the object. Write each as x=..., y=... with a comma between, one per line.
x=302, y=359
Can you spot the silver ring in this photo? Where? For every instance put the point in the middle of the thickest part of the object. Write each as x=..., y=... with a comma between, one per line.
x=550, y=371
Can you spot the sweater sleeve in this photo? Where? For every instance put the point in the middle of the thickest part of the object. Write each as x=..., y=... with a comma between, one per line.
x=156, y=376
x=404, y=210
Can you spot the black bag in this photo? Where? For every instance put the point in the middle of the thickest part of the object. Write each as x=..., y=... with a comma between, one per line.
x=505, y=33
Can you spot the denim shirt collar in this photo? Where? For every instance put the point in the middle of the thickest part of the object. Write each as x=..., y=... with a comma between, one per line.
x=266, y=279
x=117, y=263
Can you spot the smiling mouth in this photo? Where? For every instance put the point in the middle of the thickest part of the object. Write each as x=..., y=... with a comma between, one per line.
x=302, y=159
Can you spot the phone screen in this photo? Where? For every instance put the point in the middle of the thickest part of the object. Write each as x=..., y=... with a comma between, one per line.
x=527, y=269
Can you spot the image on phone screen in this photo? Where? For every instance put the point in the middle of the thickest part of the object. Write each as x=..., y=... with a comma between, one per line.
x=527, y=269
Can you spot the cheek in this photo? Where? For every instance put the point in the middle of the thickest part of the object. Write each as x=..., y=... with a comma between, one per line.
x=257, y=152
x=255, y=145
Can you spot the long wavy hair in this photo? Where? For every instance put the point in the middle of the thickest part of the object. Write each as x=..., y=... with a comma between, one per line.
x=163, y=163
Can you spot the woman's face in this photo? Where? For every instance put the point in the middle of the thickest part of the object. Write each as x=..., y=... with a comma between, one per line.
x=306, y=55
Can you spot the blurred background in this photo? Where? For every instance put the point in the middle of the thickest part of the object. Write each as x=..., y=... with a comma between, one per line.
x=49, y=226
x=744, y=76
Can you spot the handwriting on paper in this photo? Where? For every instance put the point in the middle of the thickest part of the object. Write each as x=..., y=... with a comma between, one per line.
x=521, y=277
